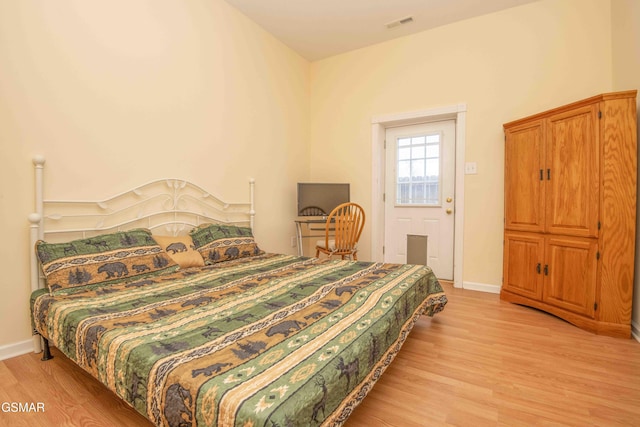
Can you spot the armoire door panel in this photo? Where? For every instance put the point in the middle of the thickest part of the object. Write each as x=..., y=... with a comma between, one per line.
x=524, y=184
x=572, y=172
x=523, y=257
x=570, y=274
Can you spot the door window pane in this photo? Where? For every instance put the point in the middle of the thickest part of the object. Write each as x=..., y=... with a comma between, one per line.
x=404, y=153
x=418, y=170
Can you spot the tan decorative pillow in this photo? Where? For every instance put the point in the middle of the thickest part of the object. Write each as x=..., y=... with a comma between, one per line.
x=181, y=250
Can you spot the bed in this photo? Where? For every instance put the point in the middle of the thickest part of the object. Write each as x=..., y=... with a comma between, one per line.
x=181, y=314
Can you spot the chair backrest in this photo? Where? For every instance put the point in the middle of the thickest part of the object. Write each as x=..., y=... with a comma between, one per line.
x=347, y=221
x=312, y=211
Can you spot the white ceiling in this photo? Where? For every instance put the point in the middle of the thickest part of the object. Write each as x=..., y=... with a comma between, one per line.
x=317, y=29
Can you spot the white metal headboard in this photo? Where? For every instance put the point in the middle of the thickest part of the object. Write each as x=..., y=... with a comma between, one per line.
x=166, y=207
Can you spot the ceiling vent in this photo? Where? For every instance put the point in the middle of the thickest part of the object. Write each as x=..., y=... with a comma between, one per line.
x=403, y=21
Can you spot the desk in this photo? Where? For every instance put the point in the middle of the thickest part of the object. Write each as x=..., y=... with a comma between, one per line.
x=305, y=229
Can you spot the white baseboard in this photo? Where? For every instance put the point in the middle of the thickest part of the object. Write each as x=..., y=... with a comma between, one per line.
x=482, y=287
x=635, y=330
x=16, y=349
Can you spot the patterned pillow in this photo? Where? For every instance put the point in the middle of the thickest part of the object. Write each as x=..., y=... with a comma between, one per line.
x=221, y=242
x=102, y=259
x=181, y=250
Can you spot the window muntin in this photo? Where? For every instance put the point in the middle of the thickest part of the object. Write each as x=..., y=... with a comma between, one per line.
x=418, y=179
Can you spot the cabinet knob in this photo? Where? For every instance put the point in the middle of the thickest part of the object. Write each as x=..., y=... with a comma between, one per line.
x=449, y=200
x=448, y=211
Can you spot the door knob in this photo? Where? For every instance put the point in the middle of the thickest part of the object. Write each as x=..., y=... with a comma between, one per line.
x=449, y=200
x=449, y=211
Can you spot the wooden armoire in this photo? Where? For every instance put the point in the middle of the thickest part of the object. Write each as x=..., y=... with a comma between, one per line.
x=570, y=212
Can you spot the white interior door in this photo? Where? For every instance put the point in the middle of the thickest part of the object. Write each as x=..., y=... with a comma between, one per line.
x=419, y=192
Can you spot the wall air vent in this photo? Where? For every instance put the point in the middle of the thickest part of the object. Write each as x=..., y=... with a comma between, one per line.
x=399, y=22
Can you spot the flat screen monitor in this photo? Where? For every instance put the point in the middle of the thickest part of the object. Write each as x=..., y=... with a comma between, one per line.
x=319, y=199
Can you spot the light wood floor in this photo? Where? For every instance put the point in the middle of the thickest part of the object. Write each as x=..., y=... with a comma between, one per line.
x=479, y=362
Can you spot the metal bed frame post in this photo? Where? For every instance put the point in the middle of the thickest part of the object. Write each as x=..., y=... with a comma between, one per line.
x=40, y=344
x=252, y=212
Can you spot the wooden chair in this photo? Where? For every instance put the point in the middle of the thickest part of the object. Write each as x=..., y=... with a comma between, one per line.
x=312, y=211
x=347, y=222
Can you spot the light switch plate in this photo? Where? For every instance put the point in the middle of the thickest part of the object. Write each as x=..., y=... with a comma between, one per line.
x=470, y=168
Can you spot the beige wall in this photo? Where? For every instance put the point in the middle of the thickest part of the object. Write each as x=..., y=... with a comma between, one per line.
x=625, y=22
x=504, y=66
x=118, y=93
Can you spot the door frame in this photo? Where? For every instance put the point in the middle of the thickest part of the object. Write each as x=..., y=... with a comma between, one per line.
x=379, y=124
